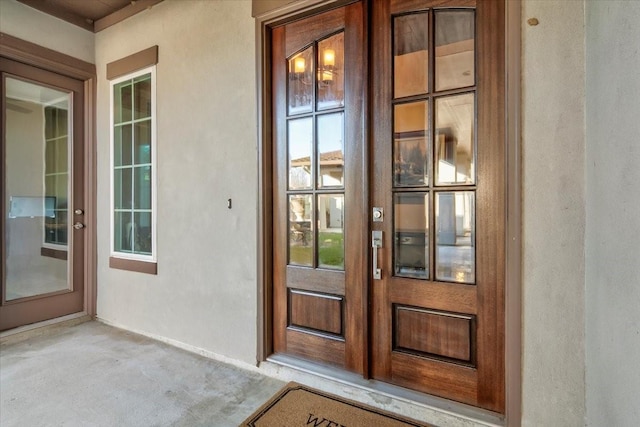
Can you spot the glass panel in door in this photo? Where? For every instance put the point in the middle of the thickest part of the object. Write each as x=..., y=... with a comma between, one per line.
x=37, y=190
x=315, y=141
x=411, y=54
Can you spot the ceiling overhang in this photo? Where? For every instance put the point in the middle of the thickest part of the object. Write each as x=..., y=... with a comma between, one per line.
x=92, y=15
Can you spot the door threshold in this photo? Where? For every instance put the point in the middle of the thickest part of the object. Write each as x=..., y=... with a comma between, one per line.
x=379, y=394
x=41, y=328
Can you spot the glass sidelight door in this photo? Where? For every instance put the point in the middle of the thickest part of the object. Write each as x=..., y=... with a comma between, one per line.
x=42, y=226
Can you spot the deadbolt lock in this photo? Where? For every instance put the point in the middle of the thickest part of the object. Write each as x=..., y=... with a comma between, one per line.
x=378, y=214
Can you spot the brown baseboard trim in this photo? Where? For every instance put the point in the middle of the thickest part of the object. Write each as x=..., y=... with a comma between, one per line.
x=54, y=253
x=133, y=265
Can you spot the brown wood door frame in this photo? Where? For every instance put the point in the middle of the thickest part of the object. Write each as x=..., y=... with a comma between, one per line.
x=30, y=54
x=281, y=11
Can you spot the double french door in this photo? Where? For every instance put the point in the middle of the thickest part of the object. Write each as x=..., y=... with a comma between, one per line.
x=389, y=194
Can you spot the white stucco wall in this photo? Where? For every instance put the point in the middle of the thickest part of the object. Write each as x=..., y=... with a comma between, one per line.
x=205, y=293
x=613, y=213
x=553, y=139
x=31, y=25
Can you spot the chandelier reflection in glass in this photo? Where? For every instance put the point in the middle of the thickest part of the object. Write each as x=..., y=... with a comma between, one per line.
x=326, y=76
x=326, y=70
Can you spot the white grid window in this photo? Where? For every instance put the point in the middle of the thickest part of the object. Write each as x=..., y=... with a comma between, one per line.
x=133, y=166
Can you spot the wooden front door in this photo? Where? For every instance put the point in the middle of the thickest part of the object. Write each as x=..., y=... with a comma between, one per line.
x=389, y=244
x=438, y=167
x=42, y=158
x=319, y=193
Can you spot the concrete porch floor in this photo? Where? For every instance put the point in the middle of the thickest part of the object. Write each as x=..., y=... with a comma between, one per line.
x=92, y=374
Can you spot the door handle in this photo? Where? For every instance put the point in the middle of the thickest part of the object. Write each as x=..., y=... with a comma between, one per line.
x=78, y=225
x=376, y=242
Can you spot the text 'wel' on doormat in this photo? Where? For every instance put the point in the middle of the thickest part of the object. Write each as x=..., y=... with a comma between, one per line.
x=297, y=405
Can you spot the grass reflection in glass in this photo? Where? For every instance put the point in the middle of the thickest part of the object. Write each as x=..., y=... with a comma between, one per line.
x=330, y=250
x=301, y=247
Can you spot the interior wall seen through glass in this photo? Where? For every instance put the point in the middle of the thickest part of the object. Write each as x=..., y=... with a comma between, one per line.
x=455, y=139
x=455, y=236
x=411, y=54
x=411, y=235
x=37, y=190
x=455, y=49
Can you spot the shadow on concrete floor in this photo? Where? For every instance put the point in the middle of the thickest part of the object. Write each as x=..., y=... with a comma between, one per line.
x=96, y=375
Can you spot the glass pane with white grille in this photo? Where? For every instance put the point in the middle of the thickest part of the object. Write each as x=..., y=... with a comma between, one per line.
x=133, y=186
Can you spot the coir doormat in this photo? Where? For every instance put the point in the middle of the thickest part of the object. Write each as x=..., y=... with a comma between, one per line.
x=296, y=405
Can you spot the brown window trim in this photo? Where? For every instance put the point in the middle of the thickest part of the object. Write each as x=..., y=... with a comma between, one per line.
x=121, y=67
x=137, y=61
x=147, y=267
x=42, y=57
x=54, y=253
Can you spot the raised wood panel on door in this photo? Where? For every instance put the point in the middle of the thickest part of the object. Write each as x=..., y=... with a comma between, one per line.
x=318, y=314
x=322, y=313
x=445, y=339
x=433, y=333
